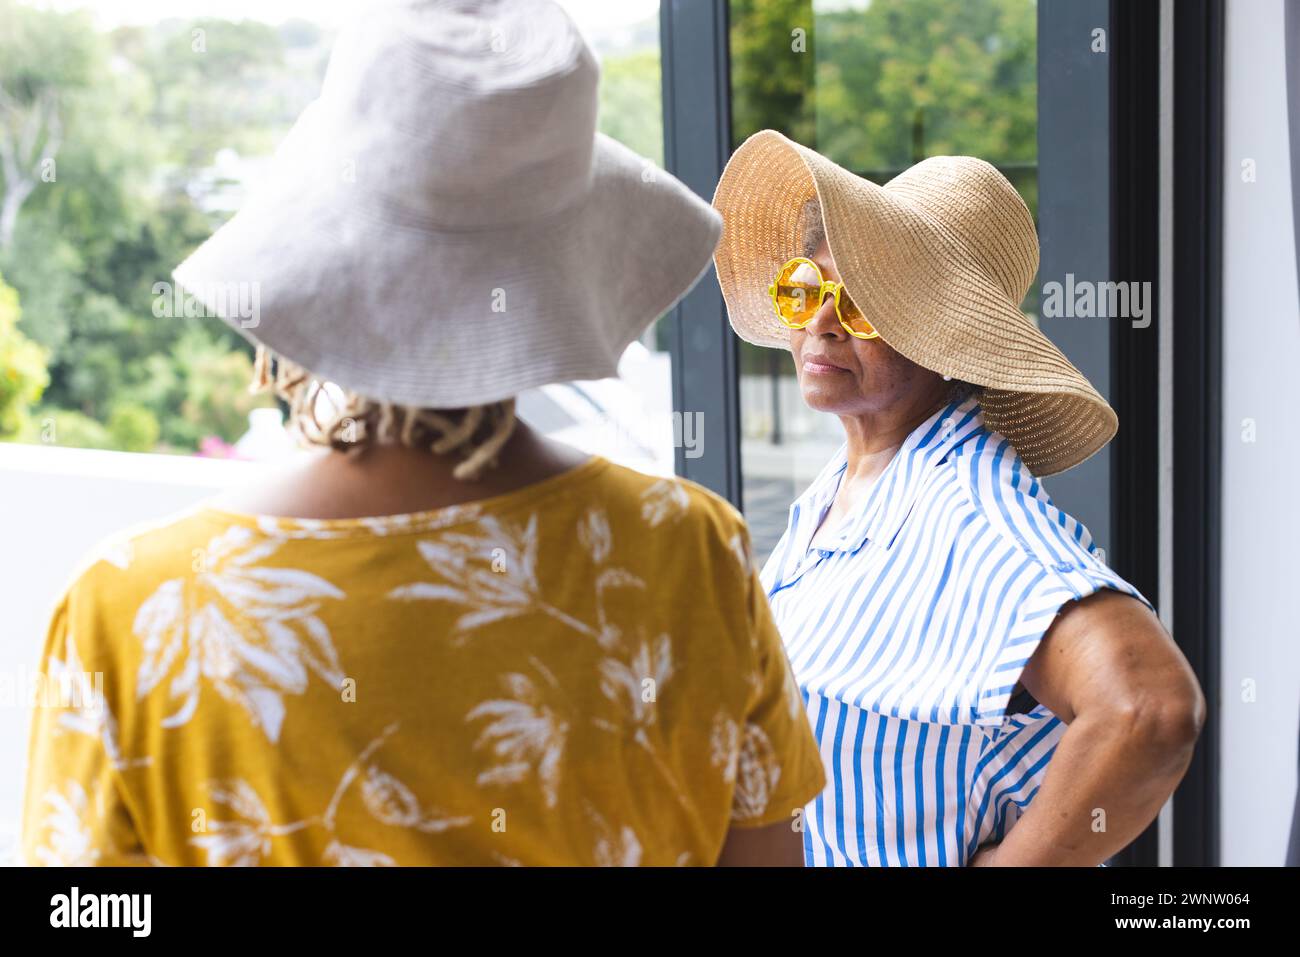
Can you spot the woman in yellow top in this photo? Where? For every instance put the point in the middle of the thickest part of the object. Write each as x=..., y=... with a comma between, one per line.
x=443, y=639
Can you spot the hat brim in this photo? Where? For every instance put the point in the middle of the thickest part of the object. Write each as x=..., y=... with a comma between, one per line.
x=403, y=312
x=921, y=288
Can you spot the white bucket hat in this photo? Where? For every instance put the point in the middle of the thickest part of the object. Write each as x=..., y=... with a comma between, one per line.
x=444, y=227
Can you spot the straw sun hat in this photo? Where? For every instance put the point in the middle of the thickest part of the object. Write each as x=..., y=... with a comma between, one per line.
x=938, y=260
x=443, y=226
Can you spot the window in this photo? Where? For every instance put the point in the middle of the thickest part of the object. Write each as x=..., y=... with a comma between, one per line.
x=154, y=120
x=876, y=85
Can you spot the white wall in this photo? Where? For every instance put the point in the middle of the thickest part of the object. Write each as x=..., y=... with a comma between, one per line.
x=1261, y=516
x=54, y=505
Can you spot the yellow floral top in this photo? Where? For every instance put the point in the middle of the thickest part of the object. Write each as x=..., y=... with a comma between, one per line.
x=583, y=671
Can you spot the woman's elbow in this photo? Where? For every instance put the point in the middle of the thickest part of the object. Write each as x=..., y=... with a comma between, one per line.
x=1165, y=723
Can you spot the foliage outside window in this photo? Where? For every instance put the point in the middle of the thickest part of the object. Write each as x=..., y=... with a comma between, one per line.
x=120, y=151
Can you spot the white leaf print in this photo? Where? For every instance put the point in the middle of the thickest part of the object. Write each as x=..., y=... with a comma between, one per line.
x=239, y=547
x=246, y=840
x=243, y=842
x=510, y=772
x=388, y=524
x=239, y=843
x=664, y=500
x=160, y=623
x=740, y=548
x=350, y=774
x=793, y=696
x=318, y=650
x=389, y=800
x=594, y=534
x=239, y=796
x=271, y=526
x=341, y=855
x=119, y=554
x=492, y=571
x=624, y=682
x=377, y=525
x=251, y=631
x=438, y=822
x=270, y=592
x=614, y=847
x=526, y=735
x=724, y=745
x=620, y=850
x=233, y=845
x=426, y=591
x=609, y=635
x=757, y=773
x=466, y=561
x=87, y=710
x=392, y=802
x=70, y=836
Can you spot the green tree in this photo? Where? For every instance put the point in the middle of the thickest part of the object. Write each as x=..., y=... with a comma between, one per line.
x=215, y=397
x=133, y=428
x=772, y=68
x=142, y=112
x=22, y=367
x=631, y=102
x=72, y=430
x=877, y=87
x=45, y=57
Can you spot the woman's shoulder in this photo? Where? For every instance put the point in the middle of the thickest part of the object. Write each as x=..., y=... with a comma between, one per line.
x=138, y=546
x=668, y=498
x=103, y=593
x=668, y=516
x=671, y=504
x=1007, y=501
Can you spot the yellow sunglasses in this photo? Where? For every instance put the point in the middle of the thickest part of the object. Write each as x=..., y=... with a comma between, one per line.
x=799, y=290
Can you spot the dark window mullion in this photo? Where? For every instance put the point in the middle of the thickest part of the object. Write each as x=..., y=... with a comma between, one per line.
x=1135, y=357
x=697, y=142
x=1197, y=398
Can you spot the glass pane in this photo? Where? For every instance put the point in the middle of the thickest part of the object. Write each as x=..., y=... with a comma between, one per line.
x=628, y=419
x=160, y=116
x=153, y=120
x=875, y=85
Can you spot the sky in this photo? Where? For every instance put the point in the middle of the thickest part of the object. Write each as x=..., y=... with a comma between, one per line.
x=589, y=14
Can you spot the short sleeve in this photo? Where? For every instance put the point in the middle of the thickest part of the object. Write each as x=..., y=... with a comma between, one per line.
x=779, y=768
x=73, y=808
x=1052, y=587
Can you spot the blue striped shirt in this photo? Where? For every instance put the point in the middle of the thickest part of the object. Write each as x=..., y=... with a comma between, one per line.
x=908, y=635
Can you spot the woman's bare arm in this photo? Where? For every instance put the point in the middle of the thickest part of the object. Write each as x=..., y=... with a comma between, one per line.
x=1109, y=670
x=776, y=845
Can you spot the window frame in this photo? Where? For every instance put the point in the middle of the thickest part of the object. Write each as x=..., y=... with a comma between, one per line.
x=1099, y=149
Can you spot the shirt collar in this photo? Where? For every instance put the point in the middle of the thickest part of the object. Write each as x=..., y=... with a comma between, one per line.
x=896, y=488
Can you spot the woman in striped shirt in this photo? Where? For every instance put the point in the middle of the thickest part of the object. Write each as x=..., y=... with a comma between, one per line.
x=983, y=688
